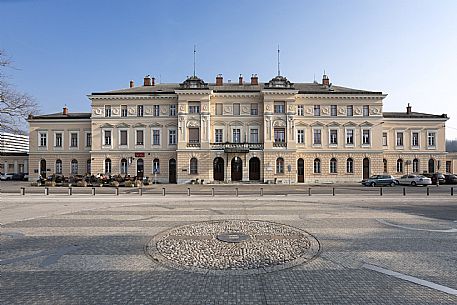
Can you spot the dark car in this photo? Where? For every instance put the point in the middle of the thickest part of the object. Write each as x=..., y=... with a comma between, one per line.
x=450, y=179
x=18, y=177
x=436, y=177
x=380, y=180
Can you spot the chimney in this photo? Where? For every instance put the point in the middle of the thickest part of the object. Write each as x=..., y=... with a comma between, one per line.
x=153, y=81
x=132, y=84
x=65, y=110
x=408, y=109
x=240, y=80
x=325, y=80
x=147, y=80
x=219, y=80
x=254, y=79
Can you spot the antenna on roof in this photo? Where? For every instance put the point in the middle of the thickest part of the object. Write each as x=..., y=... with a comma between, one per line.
x=314, y=77
x=279, y=71
x=194, y=59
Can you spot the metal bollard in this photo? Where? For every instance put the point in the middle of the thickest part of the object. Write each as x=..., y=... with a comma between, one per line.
x=212, y=191
x=452, y=191
x=428, y=191
x=261, y=191
x=163, y=191
x=22, y=191
x=117, y=191
x=46, y=191
x=140, y=191
x=236, y=192
x=70, y=191
x=380, y=191
x=309, y=191
x=333, y=191
x=188, y=191
x=93, y=191
x=404, y=191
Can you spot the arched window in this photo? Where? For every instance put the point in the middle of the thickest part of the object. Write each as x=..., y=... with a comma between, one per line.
x=58, y=166
x=74, y=167
x=88, y=166
x=415, y=166
x=124, y=166
x=384, y=163
x=333, y=166
x=431, y=166
x=400, y=166
x=107, y=166
x=155, y=166
x=317, y=166
x=349, y=166
x=193, y=166
x=280, y=166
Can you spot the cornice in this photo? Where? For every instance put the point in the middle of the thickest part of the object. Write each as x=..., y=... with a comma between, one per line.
x=130, y=97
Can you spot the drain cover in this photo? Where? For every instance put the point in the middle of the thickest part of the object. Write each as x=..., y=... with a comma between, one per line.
x=232, y=237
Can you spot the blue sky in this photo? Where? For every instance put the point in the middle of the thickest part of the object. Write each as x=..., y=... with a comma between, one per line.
x=64, y=50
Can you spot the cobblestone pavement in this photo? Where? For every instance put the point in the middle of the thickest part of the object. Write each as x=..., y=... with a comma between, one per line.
x=86, y=250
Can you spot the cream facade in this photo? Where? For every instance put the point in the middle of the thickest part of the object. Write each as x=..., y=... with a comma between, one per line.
x=277, y=132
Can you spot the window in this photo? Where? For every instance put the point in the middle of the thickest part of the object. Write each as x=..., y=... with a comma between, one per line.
x=140, y=110
x=172, y=110
x=254, y=109
x=74, y=167
x=254, y=136
x=280, y=166
x=155, y=166
x=139, y=137
x=366, y=110
x=123, y=110
x=107, y=111
x=59, y=141
x=219, y=108
x=333, y=137
x=236, y=135
x=43, y=139
x=58, y=166
x=194, y=107
x=156, y=110
x=73, y=139
x=384, y=139
x=280, y=135
x=400, y=166
x=317, y=166
x=172, y=137
x=399, y=139
x=218, y=135
x=88, y=139
x=300, y=136
x=155, y=137
x=300, y=110
x=193, y=166
x=415, y=139
x=415, y=166
x=236, y=109
x=431, y=139
x=350, y=110
x=88, y=166
x=124, y=166
x=333, y=166
x=317, y=136
x=107, y=166
x=317, y=110
x=333, y=110
x=350, y=166
x=350, y=136
x=123, y=136
x=194, y=135
x=365, y=136
x=384, y=163
x=279, y=107
x=107, y=137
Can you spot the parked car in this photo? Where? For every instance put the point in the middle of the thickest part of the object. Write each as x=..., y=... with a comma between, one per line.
x=436, y=177
x=26, y=176
x=380, y=180
x=450, y=179
x=414, y=180
x=18, y=177
x=6, y=176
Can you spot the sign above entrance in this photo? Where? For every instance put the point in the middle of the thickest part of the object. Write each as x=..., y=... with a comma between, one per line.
x=139, y=155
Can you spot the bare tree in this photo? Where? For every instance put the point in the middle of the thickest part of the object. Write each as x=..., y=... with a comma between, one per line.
x=15, y=106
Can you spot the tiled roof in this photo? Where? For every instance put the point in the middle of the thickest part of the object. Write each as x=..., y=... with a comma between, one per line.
x=413, y=115
x=60, y=115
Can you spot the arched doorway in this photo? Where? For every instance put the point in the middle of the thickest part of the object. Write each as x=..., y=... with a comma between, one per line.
x=43, y=168
x=431, y=166
x=218, y=169
x=301, y=170
x=172, y=171
x=254, y=168
x=366, y=168
x=237, y=169
x=140, y=168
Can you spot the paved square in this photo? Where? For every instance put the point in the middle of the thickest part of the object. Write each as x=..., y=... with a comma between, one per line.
x=81, y=249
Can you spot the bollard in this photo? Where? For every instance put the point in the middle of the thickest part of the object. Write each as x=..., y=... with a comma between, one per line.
x=452, y=191
x=140, y=191
x=163, y=191
x=70, y=191
x=46, y=191
x=212, y=191
x=380, y=191
x=309, y=191
x=428, y=191
x=188, y=191
x=404, y=191
x=236, y=192
x=261, y=191
x=22, y=191
x=117, y=191
x=333, y=191
x=93, y=191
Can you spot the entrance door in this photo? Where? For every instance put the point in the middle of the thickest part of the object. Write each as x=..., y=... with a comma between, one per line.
x=140, y=168
x=218, y=169
x=42, y=168
x=237, y=169
x=172, y=171
x=431, y=166
x=254, y=169
x=366, y=168
x=301, y=170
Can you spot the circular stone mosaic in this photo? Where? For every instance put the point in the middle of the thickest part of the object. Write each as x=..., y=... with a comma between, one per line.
x=233, y=246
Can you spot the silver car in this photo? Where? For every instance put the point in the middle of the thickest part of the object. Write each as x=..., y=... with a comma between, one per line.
x=414, y=180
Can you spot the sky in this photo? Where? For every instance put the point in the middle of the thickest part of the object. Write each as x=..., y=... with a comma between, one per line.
x=63, y=50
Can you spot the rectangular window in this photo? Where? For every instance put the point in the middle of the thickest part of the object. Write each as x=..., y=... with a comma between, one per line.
x=350, y=136
x=194, y=107
x=74, y=139
x=156, y=110
x=333, y=110
x=365, y=136
x=88, y=139
x=172, y=137
x=399, y=139
x=300, y=136
x=317, y=136
x=194, y=135
x=218, y=135
x=300, y=110
x=366, y=110
x=350, y=110
x=173, y=110
x=123, y=110
x=156, y=137
x=123, y=141
x=279, y=107
x=431, y=139
x=384, y=139
x=236, y=109
x=140, y=110
x=317, y=110
x=333, y=137
x=254, y=109
x=107, y=137
x=280, y=135
x=254, y=136
x=58, y=139
x=43, y=140
x=219, y=108
x=139, y=137
x=415, y=139
x=107, y=111
x=236, y=135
